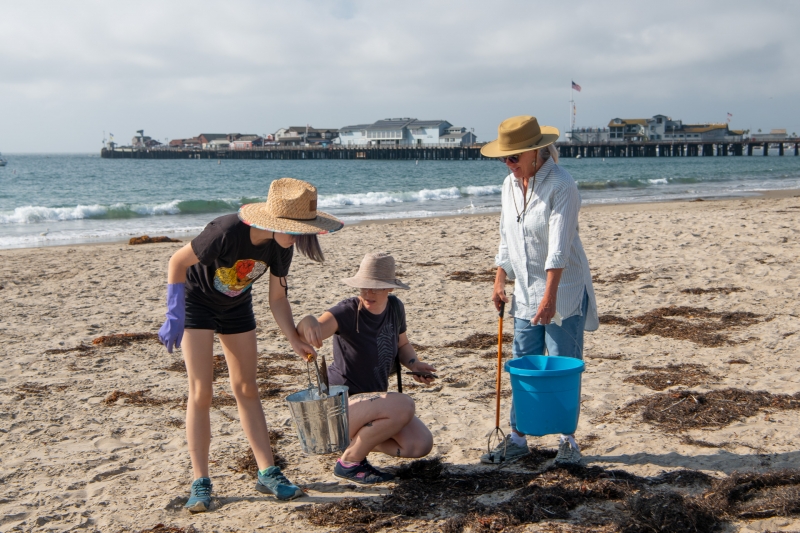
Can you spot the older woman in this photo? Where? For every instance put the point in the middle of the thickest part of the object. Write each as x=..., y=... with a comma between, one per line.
x=541, y=251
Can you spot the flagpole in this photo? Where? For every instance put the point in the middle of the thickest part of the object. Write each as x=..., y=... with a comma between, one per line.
x=571, y=102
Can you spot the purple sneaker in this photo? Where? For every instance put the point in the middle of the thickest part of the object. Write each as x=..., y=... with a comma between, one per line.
x=363, y=473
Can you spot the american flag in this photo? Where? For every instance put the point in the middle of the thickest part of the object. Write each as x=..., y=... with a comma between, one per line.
x=730, y=116
x=576, y=87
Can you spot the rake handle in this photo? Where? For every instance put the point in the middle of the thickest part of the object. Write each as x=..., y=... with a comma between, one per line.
x=499, y=363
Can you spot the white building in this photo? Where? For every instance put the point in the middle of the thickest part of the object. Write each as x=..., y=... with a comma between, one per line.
x=405, y=132
x=353, y=135
x=662, y=127
x=218, y=144
x=458, y=136
x=773, y=136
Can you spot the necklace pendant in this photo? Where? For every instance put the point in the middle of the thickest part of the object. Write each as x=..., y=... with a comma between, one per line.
x=518, y=217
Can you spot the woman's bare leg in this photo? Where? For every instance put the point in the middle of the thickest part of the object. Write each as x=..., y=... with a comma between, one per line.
x=412, y=441
x=385, y=422
x=198, y=354
x=241, y=356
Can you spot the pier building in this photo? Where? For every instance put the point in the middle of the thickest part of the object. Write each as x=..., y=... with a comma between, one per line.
x=662, y=127
x=405, y=132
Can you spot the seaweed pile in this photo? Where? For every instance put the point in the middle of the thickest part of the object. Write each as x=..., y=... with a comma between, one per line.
x=712, y=290
x=146, y=239
x=480, y=341
x=437, y=499
x=620, y=278
x=124, y=339
x=483, y=276
x=697, y=324
x=162, y=528
x=81, y=348
x=684, y=410
x=117, y=339
x=36, y=389
x=139, y=398
x=660, y=378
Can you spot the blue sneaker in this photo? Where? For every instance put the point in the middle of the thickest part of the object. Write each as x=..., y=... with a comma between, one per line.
x=200, y=499
x=275, y=483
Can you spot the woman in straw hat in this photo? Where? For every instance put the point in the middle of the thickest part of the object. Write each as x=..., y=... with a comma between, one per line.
x=209, y=292
x=369, y=335
x=540, y=249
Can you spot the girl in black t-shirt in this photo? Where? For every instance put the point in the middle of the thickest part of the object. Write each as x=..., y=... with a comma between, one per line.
x=369, y=334
x=209, y=292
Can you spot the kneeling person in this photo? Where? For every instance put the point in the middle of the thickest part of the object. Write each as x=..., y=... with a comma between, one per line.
x=369, y=335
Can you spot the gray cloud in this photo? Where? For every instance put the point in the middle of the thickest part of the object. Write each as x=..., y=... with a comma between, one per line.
x=72, y=70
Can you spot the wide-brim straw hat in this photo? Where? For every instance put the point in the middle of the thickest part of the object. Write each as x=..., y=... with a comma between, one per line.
x=377, y=271
x=291, y=207
x=520, y=134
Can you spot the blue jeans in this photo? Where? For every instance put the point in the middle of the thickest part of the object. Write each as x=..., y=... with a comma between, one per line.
x=565, y=340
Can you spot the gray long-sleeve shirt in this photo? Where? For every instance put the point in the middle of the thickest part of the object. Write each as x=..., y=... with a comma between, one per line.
x=545, y=237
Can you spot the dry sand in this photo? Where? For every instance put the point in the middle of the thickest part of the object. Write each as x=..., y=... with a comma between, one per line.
x=71, y=460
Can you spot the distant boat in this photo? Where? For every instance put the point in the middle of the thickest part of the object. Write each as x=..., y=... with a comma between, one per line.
x=3, y=162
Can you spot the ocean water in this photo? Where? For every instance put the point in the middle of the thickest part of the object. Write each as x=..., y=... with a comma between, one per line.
x=51, y=200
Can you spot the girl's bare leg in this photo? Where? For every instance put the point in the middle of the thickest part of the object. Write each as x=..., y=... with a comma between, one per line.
x=385, y=422
x=241, y=356
x=413, y=440
x=198, y=352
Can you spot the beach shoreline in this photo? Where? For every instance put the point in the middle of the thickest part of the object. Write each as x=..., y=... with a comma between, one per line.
x=186, y=237
x=81, y=451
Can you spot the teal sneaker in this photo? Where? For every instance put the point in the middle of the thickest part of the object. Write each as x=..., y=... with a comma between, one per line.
x=200, y=498
x=275, y=483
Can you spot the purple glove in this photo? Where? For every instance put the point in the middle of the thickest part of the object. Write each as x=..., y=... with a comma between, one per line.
x=171, y=332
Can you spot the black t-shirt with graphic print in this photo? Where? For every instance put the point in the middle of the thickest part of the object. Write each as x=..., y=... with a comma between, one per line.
x=363, y=359
x=230, y=263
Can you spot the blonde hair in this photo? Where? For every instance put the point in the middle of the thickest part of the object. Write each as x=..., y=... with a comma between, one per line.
x=550, y=151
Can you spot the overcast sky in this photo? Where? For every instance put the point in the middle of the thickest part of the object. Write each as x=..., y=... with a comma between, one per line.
x=71, y=70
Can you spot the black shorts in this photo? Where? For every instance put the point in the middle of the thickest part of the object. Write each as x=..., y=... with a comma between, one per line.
x=238, y=319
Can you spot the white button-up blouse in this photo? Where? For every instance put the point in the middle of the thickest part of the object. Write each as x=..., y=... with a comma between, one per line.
x=541, y=236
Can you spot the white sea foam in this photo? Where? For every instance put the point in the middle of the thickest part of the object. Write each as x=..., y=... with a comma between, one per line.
x=170, y=208
x=31, y=214
x=423, y=195
x=659, y=181
x=483, y=190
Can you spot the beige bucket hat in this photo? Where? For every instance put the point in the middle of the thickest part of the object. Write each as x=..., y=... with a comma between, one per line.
x=520, y=134
x=376, y=271
x=291, y=207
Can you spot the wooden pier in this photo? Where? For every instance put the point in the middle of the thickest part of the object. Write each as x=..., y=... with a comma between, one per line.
x=677, y=149
x=462, y=153
x=433, y=153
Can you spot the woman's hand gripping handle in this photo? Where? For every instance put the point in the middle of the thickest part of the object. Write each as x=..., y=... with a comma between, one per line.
x=499, y=297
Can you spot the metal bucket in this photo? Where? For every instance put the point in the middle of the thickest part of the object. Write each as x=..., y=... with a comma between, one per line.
x=322, y=422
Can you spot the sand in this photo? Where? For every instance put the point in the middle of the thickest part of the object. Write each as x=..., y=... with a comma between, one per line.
x=70, y=460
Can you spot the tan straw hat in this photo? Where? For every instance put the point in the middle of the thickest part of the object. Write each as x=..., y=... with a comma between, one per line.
x=519, y=134
x=291, y=207
x=376, y=272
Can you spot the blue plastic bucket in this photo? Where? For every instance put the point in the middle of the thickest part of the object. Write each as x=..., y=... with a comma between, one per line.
x=547, y=393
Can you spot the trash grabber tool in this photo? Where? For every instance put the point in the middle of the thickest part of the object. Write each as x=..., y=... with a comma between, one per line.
x=497, y=436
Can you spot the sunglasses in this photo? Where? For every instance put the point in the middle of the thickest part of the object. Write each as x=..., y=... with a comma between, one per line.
x=510, y=159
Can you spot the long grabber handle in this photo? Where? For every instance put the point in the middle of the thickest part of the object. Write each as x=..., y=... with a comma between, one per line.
x=499, y=362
